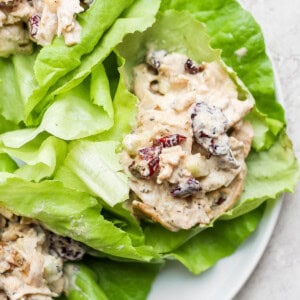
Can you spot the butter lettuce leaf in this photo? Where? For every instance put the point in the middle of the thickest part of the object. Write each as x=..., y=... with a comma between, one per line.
x=82, y=283
x=162, y=36
x=83, y=111
x=7, y=164
x=270, y=173
x=27, y=82
x=6, y=125
x=205, y=249
x=57, y=59
x=125, y=281
x=232, y=28
x=266, y=129
x=106, y=279
x=11, y=104
x=38, y=159
x=137, y=17
x=125, y=108
x=71, y=213
x=196, y=45
x=96, y=165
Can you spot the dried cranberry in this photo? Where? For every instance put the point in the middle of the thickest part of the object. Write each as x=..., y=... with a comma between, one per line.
x=192, y=68
x=203, y=135
x=147, y=164
x=153, y=165
x=170, y=140
x=152, y=70
x=34, y=23
x=220, y=200
x=185, y=189
x=149, y=153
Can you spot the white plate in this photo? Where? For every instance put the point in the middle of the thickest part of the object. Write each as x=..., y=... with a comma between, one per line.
x=226, y=278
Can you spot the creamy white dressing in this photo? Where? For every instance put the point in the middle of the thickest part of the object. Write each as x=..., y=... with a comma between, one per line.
x=185, y=183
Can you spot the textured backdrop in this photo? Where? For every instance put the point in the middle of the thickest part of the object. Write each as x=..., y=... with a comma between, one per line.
x=277, y=275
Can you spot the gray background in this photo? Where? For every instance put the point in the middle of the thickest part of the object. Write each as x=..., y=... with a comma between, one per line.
x=277, y=276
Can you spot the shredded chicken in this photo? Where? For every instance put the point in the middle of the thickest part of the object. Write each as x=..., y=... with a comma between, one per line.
x=31, y=266
x=14, y=38
x=185, y=168
x=24, y=21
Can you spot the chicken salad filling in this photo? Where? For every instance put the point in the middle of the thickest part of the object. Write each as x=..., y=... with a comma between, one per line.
x=186, y=156
x=23, y=22
x=32, y=259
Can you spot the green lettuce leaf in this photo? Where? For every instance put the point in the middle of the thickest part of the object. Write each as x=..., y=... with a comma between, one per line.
x=83, y=111
x=17, y=86
x=165, y=241
x=161, y=36
x=57, y=59
x=137, y=17
x=265, y=132
x=270, y=173
x=100, y=90
x=97, y=166
x=231, y=29
x=82, y=283
x=69, y=213
x=105, y=279
x=28, y=78
x=6, y=125
x=125, y=108
x=212, y=244
x=125, y=281
x=40, y=158
x=197, y=46
x=11, y=104
x=83, y=170
x=7, y=164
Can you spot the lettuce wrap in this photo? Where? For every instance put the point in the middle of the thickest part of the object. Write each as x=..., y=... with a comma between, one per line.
x=64, y=112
